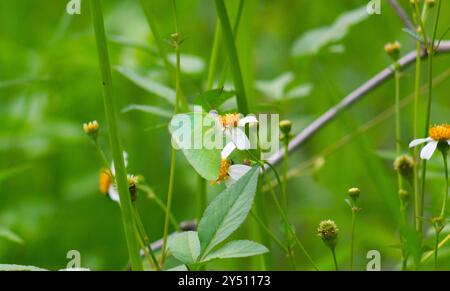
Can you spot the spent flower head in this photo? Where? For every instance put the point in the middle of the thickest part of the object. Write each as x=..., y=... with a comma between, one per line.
x=405, y=166
x=328, y=232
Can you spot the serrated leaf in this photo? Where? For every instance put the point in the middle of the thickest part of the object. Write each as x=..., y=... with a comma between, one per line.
x=227, y=211
x=312, y=41
x=148, y=85
x=212, y=99
x=189, y=135
x=237, y=249
x=185, y=246
x=12, y=267
x=153, y=110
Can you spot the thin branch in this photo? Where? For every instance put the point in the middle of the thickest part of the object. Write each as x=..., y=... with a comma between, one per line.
x=350, y=99
x=402, y=14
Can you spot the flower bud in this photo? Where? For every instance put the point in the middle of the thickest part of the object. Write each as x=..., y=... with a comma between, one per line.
x=91, y=129
x=132, y=186
x=405, y=166
x=354, y=193
x=285, y=128
x=393, y=50
x=430, y=3
x=328, y=232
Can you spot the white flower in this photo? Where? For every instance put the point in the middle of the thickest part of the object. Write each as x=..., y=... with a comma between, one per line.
x=231, y=125
x=228, y=172
x=438, y=134
x=107, y=184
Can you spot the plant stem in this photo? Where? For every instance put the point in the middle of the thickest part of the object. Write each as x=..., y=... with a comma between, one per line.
x=417, y=205
x=114, y=139
x=173, y=158
x=230, y=45
x=149, y=15
x=333, y=251
x=431, y=51
x=352, y=240
x=268, y=232
x=444, y=203
x=436, y=248
x=214, y=56
x=284, y=216
x=145, y=241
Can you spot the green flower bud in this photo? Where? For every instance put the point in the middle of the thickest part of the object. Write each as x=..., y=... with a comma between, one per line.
x=354, y=193
x=393, y=50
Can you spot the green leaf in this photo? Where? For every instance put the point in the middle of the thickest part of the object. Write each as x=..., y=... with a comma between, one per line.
x=148, y=109
x=150, y=86
x=189, y=135
x=237, y=249
x=227, y=211
x=312, y=41
x=185, y=246
x=190, y=64
x=11, y=236
x=212, y=99
x=8, y=267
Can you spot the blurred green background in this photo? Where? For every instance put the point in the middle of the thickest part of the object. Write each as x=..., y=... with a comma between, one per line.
x=50, y=85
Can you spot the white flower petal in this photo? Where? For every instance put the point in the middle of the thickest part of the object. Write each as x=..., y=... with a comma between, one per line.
x=428, y=150
x=113, y=194
x=247, y=119
x=227, y=150
x=237, y=171
x=125, y=159
x=239, y=138
x=448, y=141
x=419, y=141
x=230, y=181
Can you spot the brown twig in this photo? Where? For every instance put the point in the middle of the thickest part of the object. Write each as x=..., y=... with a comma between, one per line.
x=350, y=99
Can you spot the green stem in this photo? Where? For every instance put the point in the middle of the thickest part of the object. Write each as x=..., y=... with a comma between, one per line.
x=114, y=139
x=352, y=240
x=268, y=232
x=144, y=240
x=203, y=197
x=444, y=203
x=214, y=56
x=149, y=15
x=431, y=51
x=173, y=159
x=333, y=251
x=284, y=216
x=436, y=248
x=102, y=155
x=417, y=205
x=233, y=59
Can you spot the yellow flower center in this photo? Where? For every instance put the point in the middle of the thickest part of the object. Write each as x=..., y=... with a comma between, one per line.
x=231, y=119
x=440, y=132
x=223, y=171
x=104, y=181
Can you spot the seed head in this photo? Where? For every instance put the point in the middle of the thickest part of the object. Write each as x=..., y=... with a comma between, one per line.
x=328, y=232
x=404, y=165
